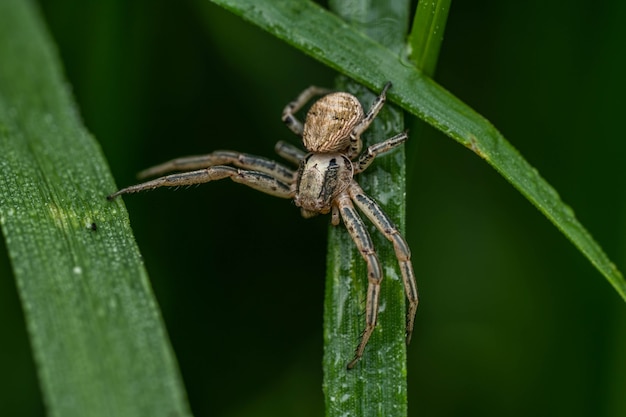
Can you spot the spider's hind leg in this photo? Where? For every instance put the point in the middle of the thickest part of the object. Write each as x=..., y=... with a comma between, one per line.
x=294, y=106
x=355, y=136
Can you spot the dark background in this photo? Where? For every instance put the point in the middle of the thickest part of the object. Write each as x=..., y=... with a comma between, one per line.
x=513, y=320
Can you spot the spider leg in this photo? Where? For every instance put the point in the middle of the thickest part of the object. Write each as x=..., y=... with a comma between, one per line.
x=258, y=180
x=334, y=216
x=238, y=159
x=373, y=151
x=363, y=242
x=293, y=107
x=382, y=222
x=289, y=152
x=355, y=135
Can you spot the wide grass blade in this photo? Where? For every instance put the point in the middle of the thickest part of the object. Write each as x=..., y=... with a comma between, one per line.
x=332, y=41
x=99, y=343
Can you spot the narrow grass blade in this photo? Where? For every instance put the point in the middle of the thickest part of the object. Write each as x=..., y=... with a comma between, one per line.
x=377, y=386
x=429, y=24
x=330, y=40
x=97, y=336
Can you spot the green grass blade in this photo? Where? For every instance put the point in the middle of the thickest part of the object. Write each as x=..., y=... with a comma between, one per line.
x=97, y=336
x=377, y=386
x=429, y=24
x=328, y=39
x=387, y=22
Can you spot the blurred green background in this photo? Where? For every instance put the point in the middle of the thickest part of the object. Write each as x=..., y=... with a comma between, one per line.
x=513, y=320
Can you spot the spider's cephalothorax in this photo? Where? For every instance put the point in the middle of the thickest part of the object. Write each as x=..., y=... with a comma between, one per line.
x=321, y=178
x=322, y=184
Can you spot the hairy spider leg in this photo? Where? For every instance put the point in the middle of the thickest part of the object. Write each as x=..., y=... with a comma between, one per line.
x=289, y=152
x=383, y=223
x=355, y=136
x=258, y=180
x=289, y=117
x=238, y=159
x=367, y=157
x=364, y=244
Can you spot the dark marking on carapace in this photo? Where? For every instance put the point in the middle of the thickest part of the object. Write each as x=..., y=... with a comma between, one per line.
x=330, y=181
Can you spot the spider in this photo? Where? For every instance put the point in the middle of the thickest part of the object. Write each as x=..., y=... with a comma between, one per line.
x=324, y=182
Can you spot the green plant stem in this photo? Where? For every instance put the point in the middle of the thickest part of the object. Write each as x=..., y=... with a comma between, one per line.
x=97, y=336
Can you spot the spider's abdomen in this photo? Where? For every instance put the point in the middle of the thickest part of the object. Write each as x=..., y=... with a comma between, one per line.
x=330, y=121
x=321, y=178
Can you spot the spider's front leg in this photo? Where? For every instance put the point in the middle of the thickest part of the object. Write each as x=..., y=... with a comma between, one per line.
x=289, y=117
x=363, y=242
x=258, y=180
x=238, y=159
x=383, y=223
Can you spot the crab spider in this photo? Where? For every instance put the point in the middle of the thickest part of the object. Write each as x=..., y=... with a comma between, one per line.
x=324, y=182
